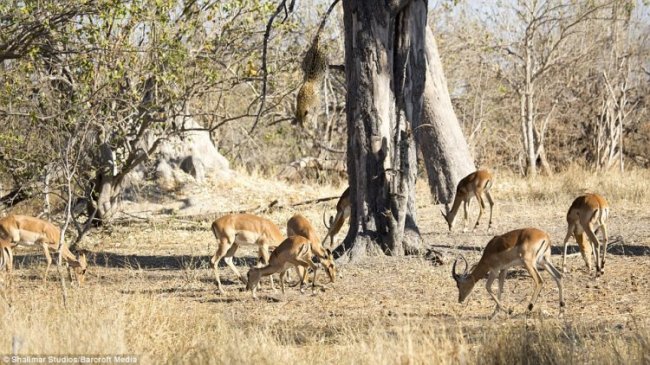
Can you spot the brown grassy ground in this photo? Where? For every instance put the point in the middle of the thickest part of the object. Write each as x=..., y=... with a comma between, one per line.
x=151, y=292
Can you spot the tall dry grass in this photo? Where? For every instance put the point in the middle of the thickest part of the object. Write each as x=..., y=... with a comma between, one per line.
x=171, y=330
x=628, y=186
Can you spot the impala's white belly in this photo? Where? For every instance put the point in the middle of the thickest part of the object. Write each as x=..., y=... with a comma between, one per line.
x=247, y=237
x=27, y=238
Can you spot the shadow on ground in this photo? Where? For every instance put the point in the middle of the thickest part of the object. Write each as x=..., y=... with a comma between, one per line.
x=146, y=262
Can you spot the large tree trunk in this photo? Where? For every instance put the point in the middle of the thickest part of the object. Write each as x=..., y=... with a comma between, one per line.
x=446, y=154
x=385, y=72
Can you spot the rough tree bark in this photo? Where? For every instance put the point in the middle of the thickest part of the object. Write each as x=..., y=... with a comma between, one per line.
x=445, y=151
x=385, y=67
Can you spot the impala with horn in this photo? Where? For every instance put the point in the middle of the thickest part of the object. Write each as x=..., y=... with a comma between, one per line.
x=528, y=247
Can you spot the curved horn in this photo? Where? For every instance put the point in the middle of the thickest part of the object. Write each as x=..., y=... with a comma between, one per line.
x=445, y=216
x=453, y=270
x=466, y=265
x=325, y=223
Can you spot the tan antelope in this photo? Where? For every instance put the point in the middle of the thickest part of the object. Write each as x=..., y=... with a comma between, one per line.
x=30, y=231
x=294, y=251
x=588, y=214
x=233, y=230
x=475, y=185
x=343, y=211
x=528, y=247
x=298, y=225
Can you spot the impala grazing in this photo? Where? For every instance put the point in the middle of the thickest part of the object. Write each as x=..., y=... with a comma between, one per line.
x=233, y=230
x=294, y=251
x=30, y=231
x=342, y=213
x=473, y=185
x=528, y=247
x=588, y=214
x=298, y=225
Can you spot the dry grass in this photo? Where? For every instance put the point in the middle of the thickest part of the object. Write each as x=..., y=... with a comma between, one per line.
x=152, y=294
x=630, y=186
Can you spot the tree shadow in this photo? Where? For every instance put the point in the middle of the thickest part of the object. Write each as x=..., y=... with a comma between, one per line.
x=147, y=262
x=180, y=291
x=458, y=248
x=614, y=248
x=260, y=298
x=618, y=249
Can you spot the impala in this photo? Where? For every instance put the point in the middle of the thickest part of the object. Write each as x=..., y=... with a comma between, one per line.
x=30, y=231
x=342, y=213
x=298, y=225
x=588, y=214
x=294, y=251
x=528, y=247
x=233, y=230
x=476, y=185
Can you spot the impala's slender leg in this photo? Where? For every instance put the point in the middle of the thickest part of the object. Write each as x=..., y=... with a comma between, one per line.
x=502, y=281
x=603, y=228
x=491, y=277
x=569, y=233
x=481, y=206
x=48, y=259
x=557, y=276
x=8, y=257
x=228, y=259
x=282, y=280
x=532, y=270
x=491, y=202
x=263, y=252
x=466, y=215
x=306, y=264
x=224, y=248
x=594, y=243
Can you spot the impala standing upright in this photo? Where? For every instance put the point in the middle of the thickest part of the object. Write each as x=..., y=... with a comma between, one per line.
x=233, y=230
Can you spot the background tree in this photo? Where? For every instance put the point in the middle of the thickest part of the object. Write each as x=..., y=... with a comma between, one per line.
x=134, y=72
x=445, y=151
x=476, y=41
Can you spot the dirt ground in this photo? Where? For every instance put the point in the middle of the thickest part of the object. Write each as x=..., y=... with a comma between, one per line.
x=165, y=258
